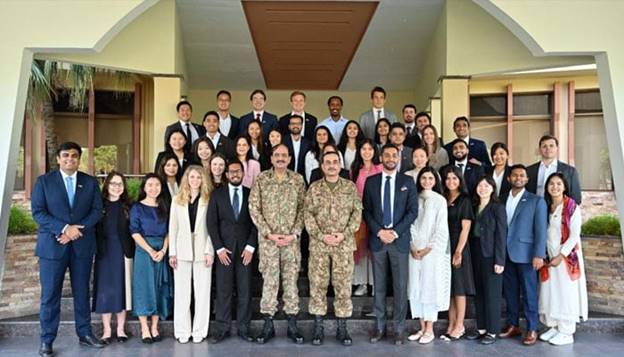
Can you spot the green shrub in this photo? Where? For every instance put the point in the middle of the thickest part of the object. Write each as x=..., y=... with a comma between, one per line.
x=603, y=225
x=21, y=221
x=133, y=188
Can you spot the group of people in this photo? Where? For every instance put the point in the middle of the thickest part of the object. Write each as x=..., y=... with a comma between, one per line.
x=366, y=197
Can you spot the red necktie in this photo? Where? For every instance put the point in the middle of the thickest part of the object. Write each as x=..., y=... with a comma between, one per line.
x=258, y=118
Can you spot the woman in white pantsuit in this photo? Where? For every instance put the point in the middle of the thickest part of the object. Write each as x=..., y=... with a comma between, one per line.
x=429, y=284
x=191, y=255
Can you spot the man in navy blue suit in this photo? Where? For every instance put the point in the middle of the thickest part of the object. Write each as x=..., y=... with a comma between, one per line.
x=66, y=204
x=266, y=119
x=390, y=207
x=526, y=250
x=471, y=172
x=477, y=152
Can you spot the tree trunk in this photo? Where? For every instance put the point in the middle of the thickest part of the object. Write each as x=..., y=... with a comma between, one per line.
x=47, y=115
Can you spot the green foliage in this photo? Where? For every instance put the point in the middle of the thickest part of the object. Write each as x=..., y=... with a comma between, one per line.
x=603, y=225
x=133, y=188
x=21, y=222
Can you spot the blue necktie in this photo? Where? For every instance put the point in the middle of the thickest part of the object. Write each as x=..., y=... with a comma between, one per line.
x=69, y=184
x=387, y=206
x=235, y=204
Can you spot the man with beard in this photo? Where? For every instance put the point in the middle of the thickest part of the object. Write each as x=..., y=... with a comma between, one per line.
x=390, y=207
x=335, y=122
x=298, y=146
x=412, y=137
x=276, y=207
x=471, y=172
x=333, y=212
x=478, y=153
x=234, y=238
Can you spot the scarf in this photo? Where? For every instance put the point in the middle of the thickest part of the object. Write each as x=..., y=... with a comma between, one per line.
x=571, y=261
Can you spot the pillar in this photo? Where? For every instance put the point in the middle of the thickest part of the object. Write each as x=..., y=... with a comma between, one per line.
x=455, y=103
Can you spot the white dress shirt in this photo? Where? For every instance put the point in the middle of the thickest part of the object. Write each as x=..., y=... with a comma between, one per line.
x=413, y=128
x=511, y=204
x=384, y=176
x=240, y=207
x=463, y=163
x=543, y=174
x=225, y=124
x=255, y=114
x=194, y=134
x=377, y=115
x=214, y=139
x=296, y=148
x=498, y=179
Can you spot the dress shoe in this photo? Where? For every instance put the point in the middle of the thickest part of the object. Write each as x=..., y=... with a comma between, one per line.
x=122, y=339
x=530, y=338
x=244, y=335
x=377, y=336
x=548, y=335
x=561, y=339
x=105, y=340
x=488, y=339
x=510, y=331
x=147, y=340
x=157, y=338
x=219, y=336
x=399, y=338
x=90, y=341
x=45, y=350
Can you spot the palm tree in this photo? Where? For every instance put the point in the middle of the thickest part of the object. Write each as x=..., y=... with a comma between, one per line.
x=47, y=78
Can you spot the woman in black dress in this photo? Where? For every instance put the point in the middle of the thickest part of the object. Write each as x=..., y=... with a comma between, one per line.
x=114, y=244
x=460, y=217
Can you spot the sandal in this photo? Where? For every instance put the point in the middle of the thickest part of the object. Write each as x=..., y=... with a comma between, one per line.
x=416, y=336
x=426, y=338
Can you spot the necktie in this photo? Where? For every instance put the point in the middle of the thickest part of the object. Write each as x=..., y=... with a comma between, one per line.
x=378, y=114
x=387, y=206
x=189, y=138
x=258, y=118
x=461, y=168
x=235, y=203
x=409, y=130
x=69, y=184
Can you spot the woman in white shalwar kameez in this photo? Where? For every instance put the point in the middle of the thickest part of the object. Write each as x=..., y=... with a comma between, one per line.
x=429, y=284
x=563, y=289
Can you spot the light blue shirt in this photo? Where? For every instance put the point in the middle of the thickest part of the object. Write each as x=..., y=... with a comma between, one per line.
x=335, y=127
x=392, y=185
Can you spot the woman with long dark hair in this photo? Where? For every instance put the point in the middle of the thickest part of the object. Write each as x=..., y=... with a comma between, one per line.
x=176, y=146
x=244, y=155
x=460, y=219
x=254, y=132
x=366, y=164
x=202, y=151
x=419, y=160
x=352, y=136
x=563, y=285
x=168, y=171
x=152, y=288
x=382, y=133
x=113, y=260
x=322, y=137
x=500, y=169
x=275, y=138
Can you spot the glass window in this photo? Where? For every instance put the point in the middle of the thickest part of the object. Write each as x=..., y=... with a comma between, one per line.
x=489, y=130
x=526, y=135
x=588, y=102
x=488, y=106
x=533, y=104
x=591, y=153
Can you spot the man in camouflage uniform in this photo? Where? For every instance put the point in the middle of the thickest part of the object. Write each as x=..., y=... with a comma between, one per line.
x=276, y=208
x=332, y=212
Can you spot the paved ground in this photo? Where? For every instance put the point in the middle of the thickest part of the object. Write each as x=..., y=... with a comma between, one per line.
x=597, y=345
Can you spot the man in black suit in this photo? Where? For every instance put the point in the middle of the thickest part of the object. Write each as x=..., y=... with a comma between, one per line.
x=298, y=146
x=390, y=207
x=191, y=130
x=397, y=138
x=471, y=172
x=412, y=137
x=477, y=152
x=538, y=173
x=266, y=119
x=234, y=238
x=228, y=124
x=221, y=143
x=297, y=103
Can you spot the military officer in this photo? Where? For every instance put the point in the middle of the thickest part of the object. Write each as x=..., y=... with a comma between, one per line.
x=332, y=212
x=276, y=208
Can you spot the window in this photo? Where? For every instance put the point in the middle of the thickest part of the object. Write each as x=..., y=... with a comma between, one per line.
x=488, y=106
x=488, y=118
x=533, y=104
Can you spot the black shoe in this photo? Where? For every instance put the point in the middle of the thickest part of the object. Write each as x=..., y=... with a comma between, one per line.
x=318, y=335
x=105, y=340
x=473, y=335
x=90, y=341
x=268, y=331
x=122, y=339
x=243, y=333
x=293, y=331
x=157, y=338
x=399, y=338
x=219, y=336
x=377, y=336
x=45, y=350
x=488, y=339
x=342, y=335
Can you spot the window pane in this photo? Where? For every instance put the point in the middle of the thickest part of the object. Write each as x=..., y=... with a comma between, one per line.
x=485, y=106
x=113, y=144
x=532, y=104
x=526, y=135
x=588, y=102
x=19, y=174
x=489, y=131
x=591, y=153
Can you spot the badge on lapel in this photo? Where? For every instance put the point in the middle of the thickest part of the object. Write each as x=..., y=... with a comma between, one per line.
x=403, y=188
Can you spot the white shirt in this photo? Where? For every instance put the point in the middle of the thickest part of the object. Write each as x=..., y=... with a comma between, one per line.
x=392, y=184
x=464, y=163
x=467, y=140
x=240, y=207
x=377, y=115
x=413, y=128
x=296, y=149
x=254, y=151
x=215, y=139
x=499, y=180
x=194, y=134
x=511, y=204
x=225, y=124
x=255, y=114
x=543, y=174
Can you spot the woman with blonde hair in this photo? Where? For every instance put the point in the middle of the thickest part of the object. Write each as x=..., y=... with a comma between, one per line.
x=191, y=255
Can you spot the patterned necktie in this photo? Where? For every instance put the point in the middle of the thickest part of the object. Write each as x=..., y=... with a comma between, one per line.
x=236, y=203
x=69, y=184
x=387, y=206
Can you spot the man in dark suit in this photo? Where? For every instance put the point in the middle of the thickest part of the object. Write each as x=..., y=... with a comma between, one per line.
x=471, y=172
x=397, y=138
x=266, y=119
x=526, y=250
x=538, y=173
x=477, y=152
x=390, y=207
x=221, y=143
x=192, y=130
x=412, y=137
x=297, y=102
x=67, y=205
x=234, y=238
x=228, y=124
x=298, y=146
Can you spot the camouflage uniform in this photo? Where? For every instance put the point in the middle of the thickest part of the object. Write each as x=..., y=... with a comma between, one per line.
x=327, y=210
x=277, y=208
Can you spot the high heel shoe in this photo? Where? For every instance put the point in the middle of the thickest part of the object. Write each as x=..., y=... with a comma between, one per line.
x=147, y=340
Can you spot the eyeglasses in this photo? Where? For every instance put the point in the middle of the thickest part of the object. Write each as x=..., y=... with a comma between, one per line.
x=115, y=184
